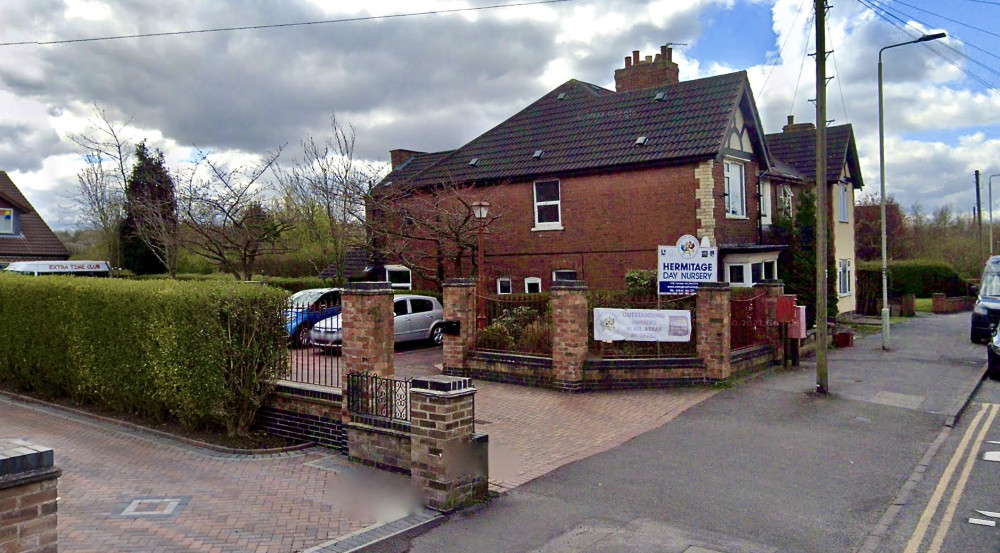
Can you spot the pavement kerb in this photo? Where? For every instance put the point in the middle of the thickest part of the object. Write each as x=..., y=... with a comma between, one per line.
x=140, y=429
x=955, y=413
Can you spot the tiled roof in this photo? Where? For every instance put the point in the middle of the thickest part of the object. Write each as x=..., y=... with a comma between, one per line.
x=417, y=163
x=798, y=149
x=36, y=241
x=580, y=127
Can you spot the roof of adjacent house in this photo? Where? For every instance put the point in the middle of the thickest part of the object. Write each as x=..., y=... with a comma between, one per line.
x=797, y=148
x=36, y=239
x=582, y=127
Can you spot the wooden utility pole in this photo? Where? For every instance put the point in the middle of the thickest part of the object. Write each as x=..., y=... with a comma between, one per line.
x=822, y=202
x=979, y=216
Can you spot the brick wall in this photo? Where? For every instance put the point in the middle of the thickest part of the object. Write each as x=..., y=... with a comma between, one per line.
x=304, y=412
x=942, y=304
x=383, y=448
x=569, y=334
x=714, y=316
x=640, y=73
x=28, y=492
x=367, y=321
x=459, y=305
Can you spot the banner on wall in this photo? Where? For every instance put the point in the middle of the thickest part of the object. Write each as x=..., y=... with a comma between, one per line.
x=682, y=267
x=642, y=325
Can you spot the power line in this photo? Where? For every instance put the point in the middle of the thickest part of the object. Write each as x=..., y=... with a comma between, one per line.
x=805, y=55
x=833, y=49
x=280, y=25
x=948, y=18
x=782, y=48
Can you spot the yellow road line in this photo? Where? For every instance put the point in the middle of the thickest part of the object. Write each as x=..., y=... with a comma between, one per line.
x=932, y=505
x=963, y=479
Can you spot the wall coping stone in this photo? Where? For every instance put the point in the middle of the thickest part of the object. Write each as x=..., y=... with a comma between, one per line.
x=22, y=463
x=441, y=383
x=368, y=288
x=544, y=362
x=569, y=285
x=460, y=283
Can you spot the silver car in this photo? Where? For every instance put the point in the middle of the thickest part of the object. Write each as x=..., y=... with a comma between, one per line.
x=416, y=318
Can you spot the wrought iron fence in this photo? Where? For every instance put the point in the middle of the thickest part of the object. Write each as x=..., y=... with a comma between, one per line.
x=372, y=395
x=748, y=321
x=310, y=362
x=514, y=323
x=640, y=350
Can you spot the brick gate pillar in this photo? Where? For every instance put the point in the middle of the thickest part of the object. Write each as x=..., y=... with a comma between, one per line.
x=713, y=330
x=773, y=290
x=569, y=334
x=28, y=491
x=367, y=328
x=459, y=305
x=448, y=465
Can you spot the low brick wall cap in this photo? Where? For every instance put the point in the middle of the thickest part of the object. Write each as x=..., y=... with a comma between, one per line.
x=20, y=456
x=569, y=285
x=368, y=287
x=441, y=383
x=460, y=282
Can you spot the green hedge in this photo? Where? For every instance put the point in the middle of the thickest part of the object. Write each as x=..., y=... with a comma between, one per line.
x=205, y=353
x=920, y=277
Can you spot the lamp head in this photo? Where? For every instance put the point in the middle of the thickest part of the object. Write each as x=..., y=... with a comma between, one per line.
x=934, y=36
x=480, y=209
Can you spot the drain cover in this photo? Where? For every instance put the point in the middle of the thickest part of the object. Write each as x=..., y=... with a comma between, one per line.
x=481, y=421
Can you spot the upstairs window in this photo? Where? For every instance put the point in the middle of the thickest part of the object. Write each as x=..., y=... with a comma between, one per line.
x=842, y=202
x=765, y=202
x=735, y=192
x=785, y=196
x=548, y=205
x=503, y=285
x=532, y=285
x=6, y=220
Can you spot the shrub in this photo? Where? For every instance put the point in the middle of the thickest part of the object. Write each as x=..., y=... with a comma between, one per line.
x=495, y=336
x=536, y=338
x=641, y=282
x=920, y=277
x=205, y=353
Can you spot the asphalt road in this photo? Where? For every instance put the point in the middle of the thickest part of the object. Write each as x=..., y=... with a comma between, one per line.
x=956, y=508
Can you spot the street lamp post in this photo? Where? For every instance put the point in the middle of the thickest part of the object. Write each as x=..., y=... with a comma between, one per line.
x=881, y=167
x=480, y=210
x=991, y=213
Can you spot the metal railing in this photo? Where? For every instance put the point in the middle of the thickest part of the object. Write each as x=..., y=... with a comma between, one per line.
x=375, y=396
x=309, y=363
x=514, y=323
x=640, y=350
x=748, y=321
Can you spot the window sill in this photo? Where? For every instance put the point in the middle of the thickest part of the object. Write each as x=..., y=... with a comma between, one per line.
x=736, y=217
x=842, y=295
x=546, y=226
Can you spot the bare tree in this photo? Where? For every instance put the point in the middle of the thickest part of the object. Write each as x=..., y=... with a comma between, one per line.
x=226, y=215
x=101, y=185
x=429, y=229
x=327, y=190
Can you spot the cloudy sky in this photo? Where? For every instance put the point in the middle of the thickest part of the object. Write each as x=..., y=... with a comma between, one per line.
x=434, y=81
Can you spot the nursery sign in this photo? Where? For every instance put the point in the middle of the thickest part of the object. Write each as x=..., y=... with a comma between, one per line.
x=642, y=325
x=680, y=268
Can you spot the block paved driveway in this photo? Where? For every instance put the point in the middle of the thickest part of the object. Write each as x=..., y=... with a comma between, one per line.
x=534, y=431
x=127, y=491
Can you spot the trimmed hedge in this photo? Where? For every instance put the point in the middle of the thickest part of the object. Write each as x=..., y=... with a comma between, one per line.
x=205, y=353
x=920, y=277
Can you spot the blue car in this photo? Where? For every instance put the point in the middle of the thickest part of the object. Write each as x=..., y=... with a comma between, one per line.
x=306, y=308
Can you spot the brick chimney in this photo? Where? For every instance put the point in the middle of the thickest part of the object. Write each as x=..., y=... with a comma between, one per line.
x=639, y=74
x=793, y=126
x=399, y=156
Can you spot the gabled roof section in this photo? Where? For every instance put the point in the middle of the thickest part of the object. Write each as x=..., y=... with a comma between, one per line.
x=797, y=148
x=36, y=239
x=582, y=127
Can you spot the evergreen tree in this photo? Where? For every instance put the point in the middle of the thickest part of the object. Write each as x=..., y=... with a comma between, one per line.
x=797, y=264
x=150, y=207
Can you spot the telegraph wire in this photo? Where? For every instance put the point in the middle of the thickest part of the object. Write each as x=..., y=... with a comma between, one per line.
x=279, y=25
x=805, y=56
x=833, y=49
x=782, y=48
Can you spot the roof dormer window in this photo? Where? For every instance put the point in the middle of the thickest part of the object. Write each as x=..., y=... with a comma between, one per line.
x=6, y=220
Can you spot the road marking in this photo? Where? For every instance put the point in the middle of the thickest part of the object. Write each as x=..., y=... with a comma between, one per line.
x=982, y=522
x=991, y=456
x=925, y=518
x=990, y=514
x=963, y=479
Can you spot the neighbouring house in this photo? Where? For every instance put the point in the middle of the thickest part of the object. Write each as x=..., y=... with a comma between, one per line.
x=24, y=236
x=589, y=181
x=796, y=147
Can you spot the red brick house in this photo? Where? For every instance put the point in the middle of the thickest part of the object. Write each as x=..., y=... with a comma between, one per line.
x=590, y=181
x=24, y=236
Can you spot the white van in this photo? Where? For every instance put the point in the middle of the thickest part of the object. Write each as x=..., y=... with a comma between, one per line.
x=78, y=268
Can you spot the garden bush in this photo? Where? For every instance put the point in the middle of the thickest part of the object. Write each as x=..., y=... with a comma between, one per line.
x=205, y=353
x=920, y=277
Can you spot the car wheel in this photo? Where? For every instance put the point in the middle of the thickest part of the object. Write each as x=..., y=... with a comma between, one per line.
x=437, y=335
x=302, y=336
x=976, y=337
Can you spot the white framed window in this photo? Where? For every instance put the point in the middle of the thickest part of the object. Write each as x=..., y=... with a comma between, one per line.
x=770, y=270
x=563, y=274
x=736, y=274
x=399, y=277
x=748, y=274
x=765, y=202
x=6, y=220
x=548, y=205
x=844, y=277
x=842, y=202
x=503, y=285
x=532, y=285
x=736, y=206
x=785, y=196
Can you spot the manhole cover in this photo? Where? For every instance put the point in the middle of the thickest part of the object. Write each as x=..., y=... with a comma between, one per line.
x=481, y=421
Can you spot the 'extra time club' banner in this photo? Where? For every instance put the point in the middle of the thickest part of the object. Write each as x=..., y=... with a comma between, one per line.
x=642, y=325
x=682, y=267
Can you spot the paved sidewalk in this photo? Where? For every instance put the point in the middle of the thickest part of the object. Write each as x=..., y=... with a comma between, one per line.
x=128, y=491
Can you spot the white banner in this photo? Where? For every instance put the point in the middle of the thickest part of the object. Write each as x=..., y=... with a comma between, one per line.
x=642, y=325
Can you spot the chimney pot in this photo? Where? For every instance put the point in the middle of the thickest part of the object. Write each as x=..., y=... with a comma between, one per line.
x=663, y=52
x=628, y=62
x=635, y=57
x=791, y=119
x=670, y=53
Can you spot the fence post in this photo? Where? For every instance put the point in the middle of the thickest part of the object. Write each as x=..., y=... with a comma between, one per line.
x=459, y=305
x=367, y=328
x=448, y=465
x=569, y=334
x=774, y=290
x=713, y=329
